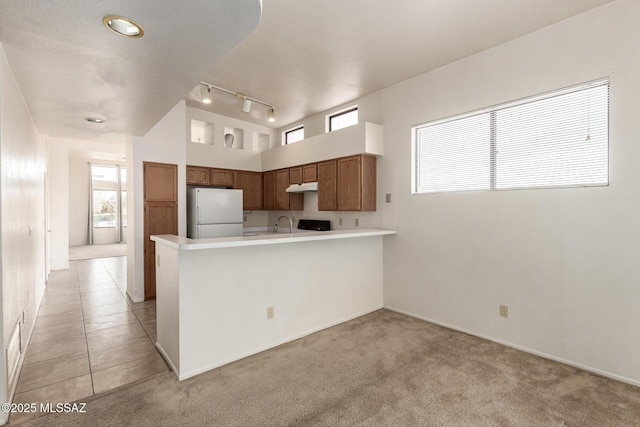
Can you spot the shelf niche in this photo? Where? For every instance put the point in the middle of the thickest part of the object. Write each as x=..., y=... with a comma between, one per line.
x=201, y=132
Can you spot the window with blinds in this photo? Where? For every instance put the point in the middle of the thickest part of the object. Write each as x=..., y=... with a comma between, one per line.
x=559, y=139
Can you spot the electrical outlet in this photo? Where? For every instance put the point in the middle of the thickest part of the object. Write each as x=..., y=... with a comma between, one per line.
x=504, y=310
x=244, y=218
x=339, y=221
x=357, y=222
x=270, y=314
x=158, y=260
x=388, y=197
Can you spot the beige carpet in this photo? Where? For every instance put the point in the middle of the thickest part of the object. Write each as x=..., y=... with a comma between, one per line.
x=383, y=369
x=97, y=251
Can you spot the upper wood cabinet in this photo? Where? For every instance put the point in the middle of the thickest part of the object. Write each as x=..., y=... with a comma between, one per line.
x=221, y=177
x=286, y=201
x=252, y=189
x=269, y=190
x=197, y=175
x=356, y=183
x=295, y=175
x=310, y=173
x=160, y=182
x=327, y=186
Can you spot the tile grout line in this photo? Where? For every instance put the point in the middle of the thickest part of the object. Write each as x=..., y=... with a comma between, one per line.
x=86, y=341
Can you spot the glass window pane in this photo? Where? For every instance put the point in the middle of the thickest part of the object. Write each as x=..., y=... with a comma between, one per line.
x=294, y=135
x=104, y=208
x=343, y=120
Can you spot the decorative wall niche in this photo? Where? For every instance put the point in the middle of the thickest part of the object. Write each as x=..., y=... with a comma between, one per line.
x=201, y=132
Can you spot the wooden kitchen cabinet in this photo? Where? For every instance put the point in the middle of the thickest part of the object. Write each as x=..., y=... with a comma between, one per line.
x=327, y=186
x=295, y=175
x=221, y=177
x=160, y=214
x=197, y=175
x=310, y=173
x=286, y=201
x=252, y=189
x=269, y=190
x=356, y=183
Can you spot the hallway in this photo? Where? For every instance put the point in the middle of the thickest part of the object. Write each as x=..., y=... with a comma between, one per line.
x=89, y=337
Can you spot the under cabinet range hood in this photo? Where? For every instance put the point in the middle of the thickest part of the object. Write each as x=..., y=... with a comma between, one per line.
x=303, y=188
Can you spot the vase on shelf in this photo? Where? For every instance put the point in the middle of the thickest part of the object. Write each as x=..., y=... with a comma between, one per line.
x=228, y=140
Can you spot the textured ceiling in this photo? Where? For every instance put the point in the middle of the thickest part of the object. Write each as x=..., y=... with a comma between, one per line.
x=308, y=56
x=69, y=66
x=304, y=56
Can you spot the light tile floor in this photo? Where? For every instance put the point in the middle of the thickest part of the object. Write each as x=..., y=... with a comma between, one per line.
x=89, y=337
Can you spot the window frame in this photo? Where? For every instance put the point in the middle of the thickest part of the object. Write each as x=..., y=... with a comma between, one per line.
x=339, y=113
x=285, y=135
x=492, y=149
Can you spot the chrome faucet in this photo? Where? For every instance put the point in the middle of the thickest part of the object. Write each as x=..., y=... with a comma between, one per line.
x=275, y=227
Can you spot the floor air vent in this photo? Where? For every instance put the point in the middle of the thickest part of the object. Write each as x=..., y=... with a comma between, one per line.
x=14, y=349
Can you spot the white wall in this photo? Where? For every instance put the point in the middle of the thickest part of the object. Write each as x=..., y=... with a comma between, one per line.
x=217, y=155
x=566, y=261
x=22, y=172
x=164, y=143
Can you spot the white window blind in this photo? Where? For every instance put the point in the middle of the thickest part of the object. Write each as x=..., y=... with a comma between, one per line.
x=557, y=139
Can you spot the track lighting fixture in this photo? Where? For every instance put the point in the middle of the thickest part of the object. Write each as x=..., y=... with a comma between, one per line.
x=206, y=94
x=247, y=101
x=246, y=105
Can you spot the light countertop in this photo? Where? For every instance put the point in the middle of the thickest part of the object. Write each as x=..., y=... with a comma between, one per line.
x=186, y=244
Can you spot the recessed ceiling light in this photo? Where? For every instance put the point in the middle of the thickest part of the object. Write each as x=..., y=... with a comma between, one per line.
x=94, y=120
x=123, y=26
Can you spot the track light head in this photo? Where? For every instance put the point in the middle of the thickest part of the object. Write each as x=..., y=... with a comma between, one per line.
x=246, y=105
x=206, y=95
x=271, y=115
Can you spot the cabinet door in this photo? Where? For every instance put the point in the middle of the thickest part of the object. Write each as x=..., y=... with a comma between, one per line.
x=197, y=175
x=160, y=214
x=369, y=183
x=268, y=189
x=309, y=173
x=349, y=184
x=295, y=175
x=327, y=181
x=282, y=182
x=221, y=177
x=251, y=185
x=160, y=182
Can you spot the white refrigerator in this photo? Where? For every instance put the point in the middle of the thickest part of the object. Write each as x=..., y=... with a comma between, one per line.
x=213, y=212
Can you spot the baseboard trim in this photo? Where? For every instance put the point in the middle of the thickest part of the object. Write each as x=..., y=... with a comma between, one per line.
x=167, y=359
x=522, y=348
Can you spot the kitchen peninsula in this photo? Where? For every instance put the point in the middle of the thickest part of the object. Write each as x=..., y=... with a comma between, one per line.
x=222, y=299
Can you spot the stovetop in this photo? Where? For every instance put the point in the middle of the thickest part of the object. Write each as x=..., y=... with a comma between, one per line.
x=314, y=224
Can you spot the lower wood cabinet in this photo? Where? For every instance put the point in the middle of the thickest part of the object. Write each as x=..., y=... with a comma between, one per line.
x=252, y=189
